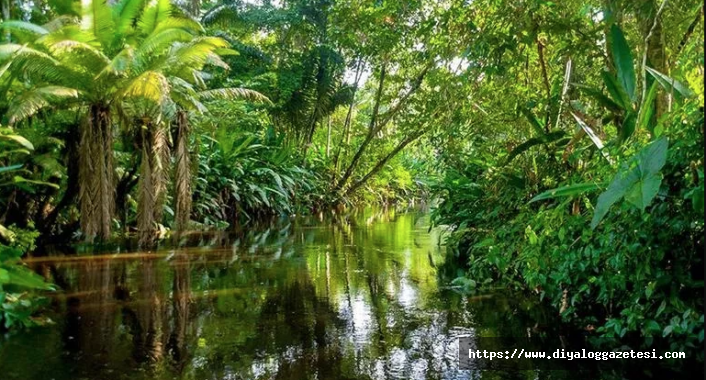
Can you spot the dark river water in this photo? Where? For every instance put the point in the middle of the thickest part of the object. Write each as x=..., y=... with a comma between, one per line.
x=361, y=297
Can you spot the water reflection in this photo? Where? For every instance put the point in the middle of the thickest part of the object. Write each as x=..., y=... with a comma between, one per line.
x=355, y=297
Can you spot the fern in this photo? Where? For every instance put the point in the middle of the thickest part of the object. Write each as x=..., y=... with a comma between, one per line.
x=156, y=12
x=97, y=19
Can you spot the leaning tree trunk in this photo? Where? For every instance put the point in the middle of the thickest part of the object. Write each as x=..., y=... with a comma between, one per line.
x=96, y=194
x=153, y=181
x=182, y=193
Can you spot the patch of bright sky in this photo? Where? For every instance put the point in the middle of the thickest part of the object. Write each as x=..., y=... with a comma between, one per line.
x=274, y=3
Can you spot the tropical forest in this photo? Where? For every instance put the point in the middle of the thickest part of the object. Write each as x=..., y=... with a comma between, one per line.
x=351, y=189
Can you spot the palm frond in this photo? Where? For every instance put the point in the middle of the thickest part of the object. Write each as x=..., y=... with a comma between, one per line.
x=184, y=94
x=22, y=29
x=125, y=13
x=156, y=12
x=234, y=93
x=160, y=41
x=96, y=18
x=183, y=23
x=32, y=63
x=120, y=63
x=28, y=103
x=221, y=14
x=69, y=32
x=59, y=22
x=150, y=85
x=197, y=54
x=81, y=48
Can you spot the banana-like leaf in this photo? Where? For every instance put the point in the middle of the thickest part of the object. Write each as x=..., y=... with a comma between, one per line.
x=647, y=110
x=592, y=135
x=627, y=127
x=565, y=191
x=604, y=100
x=538, y=128
x=622, y=57
x=638, y=180
x=616, y=90
x=670, y=84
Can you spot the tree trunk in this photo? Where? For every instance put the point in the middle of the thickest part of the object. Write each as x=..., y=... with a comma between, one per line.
x=97, y=189
x=328, y=137
x=381, y=164
x=347, y=123
x=153, y=181
x=182, y=193
x=371, y=133
x=375, y=126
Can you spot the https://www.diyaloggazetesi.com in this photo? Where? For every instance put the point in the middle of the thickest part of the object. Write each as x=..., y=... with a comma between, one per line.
x=562, y=354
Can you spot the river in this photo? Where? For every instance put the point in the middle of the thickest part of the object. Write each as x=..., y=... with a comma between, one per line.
x=355, y=297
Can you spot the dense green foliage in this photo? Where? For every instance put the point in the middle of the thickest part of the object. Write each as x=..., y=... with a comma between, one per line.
x=563, y=141
x=594, y=201
x=17, y=304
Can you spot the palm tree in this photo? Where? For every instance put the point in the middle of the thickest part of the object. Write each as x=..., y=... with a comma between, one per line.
x=189, y=98
x=100, y=64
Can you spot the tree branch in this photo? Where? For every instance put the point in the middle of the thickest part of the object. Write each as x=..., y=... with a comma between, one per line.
x=371, y=132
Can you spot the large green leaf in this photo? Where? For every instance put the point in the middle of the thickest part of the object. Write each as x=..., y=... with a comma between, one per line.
x=601, y=98
x=637, y=181
x=647, y=110
x=534, y=122
x=616, y=90
x=622, y=57
x=669, y=84
x=565, y=191
x=592, y=135
x=627, y=127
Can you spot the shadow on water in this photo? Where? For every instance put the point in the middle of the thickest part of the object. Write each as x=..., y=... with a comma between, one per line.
x=353, y=297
